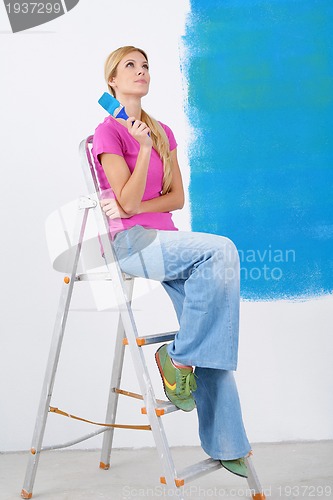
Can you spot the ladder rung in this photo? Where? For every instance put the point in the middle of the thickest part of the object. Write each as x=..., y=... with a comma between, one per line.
x=71, y=443
x=153, y=339
x=163, y=408
x=194, y=471
x=99, y=277
x=135, y=395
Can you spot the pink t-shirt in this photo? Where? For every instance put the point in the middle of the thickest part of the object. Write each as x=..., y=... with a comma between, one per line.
x=113, y=137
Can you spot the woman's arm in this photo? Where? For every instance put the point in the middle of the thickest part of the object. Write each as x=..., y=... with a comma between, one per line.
x=165, y=203
x=173, y=200
x=129, y=188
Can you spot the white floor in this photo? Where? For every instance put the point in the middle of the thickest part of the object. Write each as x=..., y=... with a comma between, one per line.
x=286, y=470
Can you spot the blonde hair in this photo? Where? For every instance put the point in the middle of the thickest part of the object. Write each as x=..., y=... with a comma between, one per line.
x=158, y=135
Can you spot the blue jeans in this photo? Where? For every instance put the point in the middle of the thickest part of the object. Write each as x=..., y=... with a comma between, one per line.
x=200, y=273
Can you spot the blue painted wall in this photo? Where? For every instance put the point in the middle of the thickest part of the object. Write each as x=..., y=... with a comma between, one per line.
x=260, y=76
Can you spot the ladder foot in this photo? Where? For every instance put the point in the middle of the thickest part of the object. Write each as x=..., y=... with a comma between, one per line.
x=259, y=496
x=25, y=494
x=104, y=466
x=178, y=482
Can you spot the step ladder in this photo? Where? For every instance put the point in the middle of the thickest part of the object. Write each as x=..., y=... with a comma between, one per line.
x=126, y=337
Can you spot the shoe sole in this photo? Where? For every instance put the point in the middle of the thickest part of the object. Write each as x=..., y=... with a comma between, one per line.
x=157, y=359
x=232, y=472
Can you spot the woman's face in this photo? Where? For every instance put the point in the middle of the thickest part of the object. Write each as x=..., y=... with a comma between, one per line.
x=132, y=77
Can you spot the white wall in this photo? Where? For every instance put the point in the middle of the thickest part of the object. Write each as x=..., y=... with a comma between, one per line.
x=51, y=79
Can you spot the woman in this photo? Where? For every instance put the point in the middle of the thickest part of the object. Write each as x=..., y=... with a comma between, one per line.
x=136, y=162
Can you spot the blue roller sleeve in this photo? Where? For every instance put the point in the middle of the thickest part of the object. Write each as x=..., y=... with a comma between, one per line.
x=113, y=106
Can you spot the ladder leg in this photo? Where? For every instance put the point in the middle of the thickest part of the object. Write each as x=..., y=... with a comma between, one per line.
x=113, y=397
x=51, y=368
x=47, y=391
x=147, y=390
x=117, y=367
x=115, y=382
x=253, y=481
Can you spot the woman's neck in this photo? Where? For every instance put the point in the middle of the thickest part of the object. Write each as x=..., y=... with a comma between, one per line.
x=132, y=105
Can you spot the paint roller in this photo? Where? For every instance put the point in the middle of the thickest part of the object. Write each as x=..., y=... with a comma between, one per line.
x=113, y=106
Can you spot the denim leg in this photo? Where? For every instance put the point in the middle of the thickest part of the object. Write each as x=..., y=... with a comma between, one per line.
x=176, y=292
x=221, y=427
x=208, y=265
x=200, y=272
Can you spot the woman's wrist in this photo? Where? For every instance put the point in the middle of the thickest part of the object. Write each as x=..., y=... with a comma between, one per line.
x=146, y=148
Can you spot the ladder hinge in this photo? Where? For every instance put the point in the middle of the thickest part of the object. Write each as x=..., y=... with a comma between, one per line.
x=86, y=202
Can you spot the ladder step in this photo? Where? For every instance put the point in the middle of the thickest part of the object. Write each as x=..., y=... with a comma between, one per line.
x=194, y=471
x=153, y=339
x=138, y=396
x=163, y=408
x=99, y=277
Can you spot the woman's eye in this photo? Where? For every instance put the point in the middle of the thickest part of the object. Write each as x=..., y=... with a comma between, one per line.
x=129, y=64
x=146, y=67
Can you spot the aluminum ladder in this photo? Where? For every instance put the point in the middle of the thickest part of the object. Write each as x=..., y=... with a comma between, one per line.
x=126, y=335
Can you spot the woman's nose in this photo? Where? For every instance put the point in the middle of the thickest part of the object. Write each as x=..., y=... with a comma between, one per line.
x=141, y=71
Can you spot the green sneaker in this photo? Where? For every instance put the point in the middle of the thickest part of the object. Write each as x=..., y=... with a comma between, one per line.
x=237, y=466
x=178, y=382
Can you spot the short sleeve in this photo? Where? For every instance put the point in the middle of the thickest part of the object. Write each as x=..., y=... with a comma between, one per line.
x=170, y=136
x=107, y=140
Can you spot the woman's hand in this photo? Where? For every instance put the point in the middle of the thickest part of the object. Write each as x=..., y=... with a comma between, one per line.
x=139, y=131
x=113, y=210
